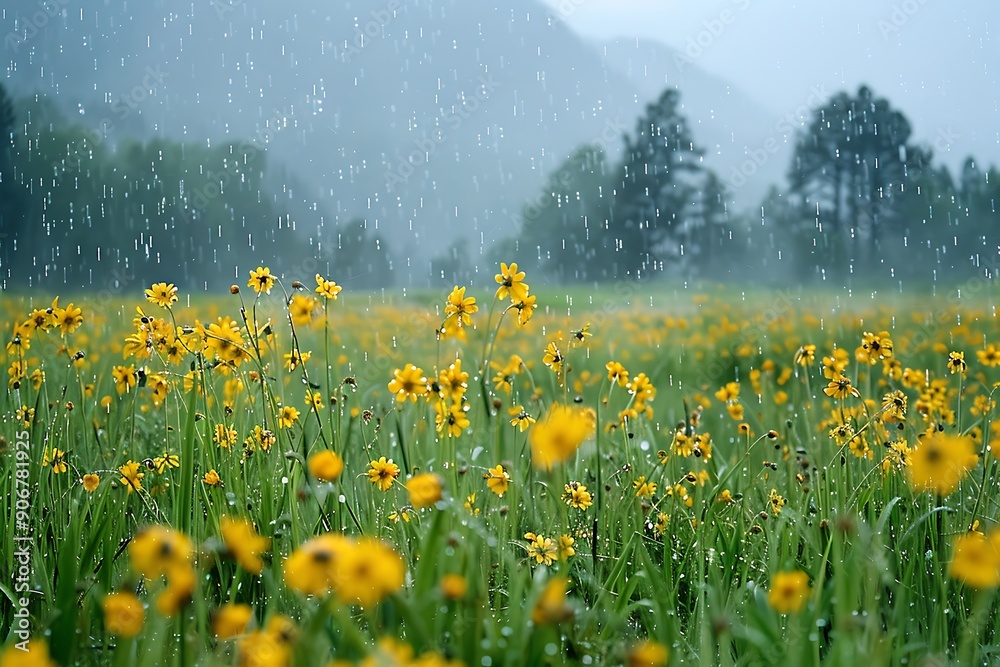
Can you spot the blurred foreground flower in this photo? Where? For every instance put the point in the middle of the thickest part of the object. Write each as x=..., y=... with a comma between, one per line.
x=243, y=543
x=552, y=607
x=326, y=465
x=559, y=435
x=940, y=462
x=975, y=560
x=647, y=654
x=425, y=490
x=123, y=614
x=789, y=591
x=363, y=571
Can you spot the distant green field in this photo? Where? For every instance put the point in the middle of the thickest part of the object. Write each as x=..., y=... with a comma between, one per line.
x=640, y=474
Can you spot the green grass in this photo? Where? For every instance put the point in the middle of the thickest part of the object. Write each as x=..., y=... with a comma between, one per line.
x=876, y=552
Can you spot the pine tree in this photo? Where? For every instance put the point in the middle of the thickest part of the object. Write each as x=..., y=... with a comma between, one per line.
x=656, y=190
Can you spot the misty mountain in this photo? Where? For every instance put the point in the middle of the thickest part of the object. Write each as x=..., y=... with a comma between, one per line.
x=432, y=119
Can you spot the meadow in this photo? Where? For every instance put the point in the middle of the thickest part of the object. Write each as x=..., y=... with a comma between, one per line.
x=646, y=474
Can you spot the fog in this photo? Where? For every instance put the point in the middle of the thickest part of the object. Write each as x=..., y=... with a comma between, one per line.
x=416, y=143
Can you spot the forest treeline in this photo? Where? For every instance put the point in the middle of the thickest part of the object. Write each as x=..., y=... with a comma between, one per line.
x=862, y=201
x=85, y=207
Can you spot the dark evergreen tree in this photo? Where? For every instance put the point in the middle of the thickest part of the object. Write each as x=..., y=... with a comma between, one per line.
x=563, y=232
x=707, y=232
x=656, y=190
x=850, y=169
x=12, y=214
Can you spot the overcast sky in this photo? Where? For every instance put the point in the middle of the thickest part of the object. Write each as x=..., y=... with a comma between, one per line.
x=936, y=61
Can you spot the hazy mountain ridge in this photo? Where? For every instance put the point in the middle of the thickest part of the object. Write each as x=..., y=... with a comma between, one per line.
x=440, y=120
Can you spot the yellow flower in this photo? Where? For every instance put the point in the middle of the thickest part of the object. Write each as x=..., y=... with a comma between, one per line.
x=525, y=309
x=424, y=490
x=577, y=496
x=776, y=502
x=566, y=550
x=57, y=459
x=647, y=654
x=225, y=436
x=166, y=462
x=559, y=435
x=270, y=647
x=541, y=549
x=460, y=307
x=326, y=465
x=35, y=654
x=644, y=489
x=453, y=381
x=124, y=614
x=162, y=294
x=288, y=416
x=520, y=418
x=261, y=280
x=179, y=591
x=311, y=569
x=231, y=620
x=362, y=571
x=157, y=549
x=369, y=572
x=730, y=392
x=327, y=288
x=90, y=482
x=894, y=407
x=295, y=358
x=212, y=478
x=617, y=373
x=68, y=318
x=874, y=348
x=224, y=342
x=454, y=586
x=956, y=363
x=497, y=479
x=511, y=283
x=552, y=607
x=408, y=383
x=989, y=357
x=840, y=387
x=382, y=473
x=125, y=378
x=553, y=358
x=975, y=560
x=300, y=309
x=642, y=388
x=314, y=400
x=131, y=477
x=451, y=416
x=789, y=591
x=243, y=542
x=939, y=463
x=805, y=355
